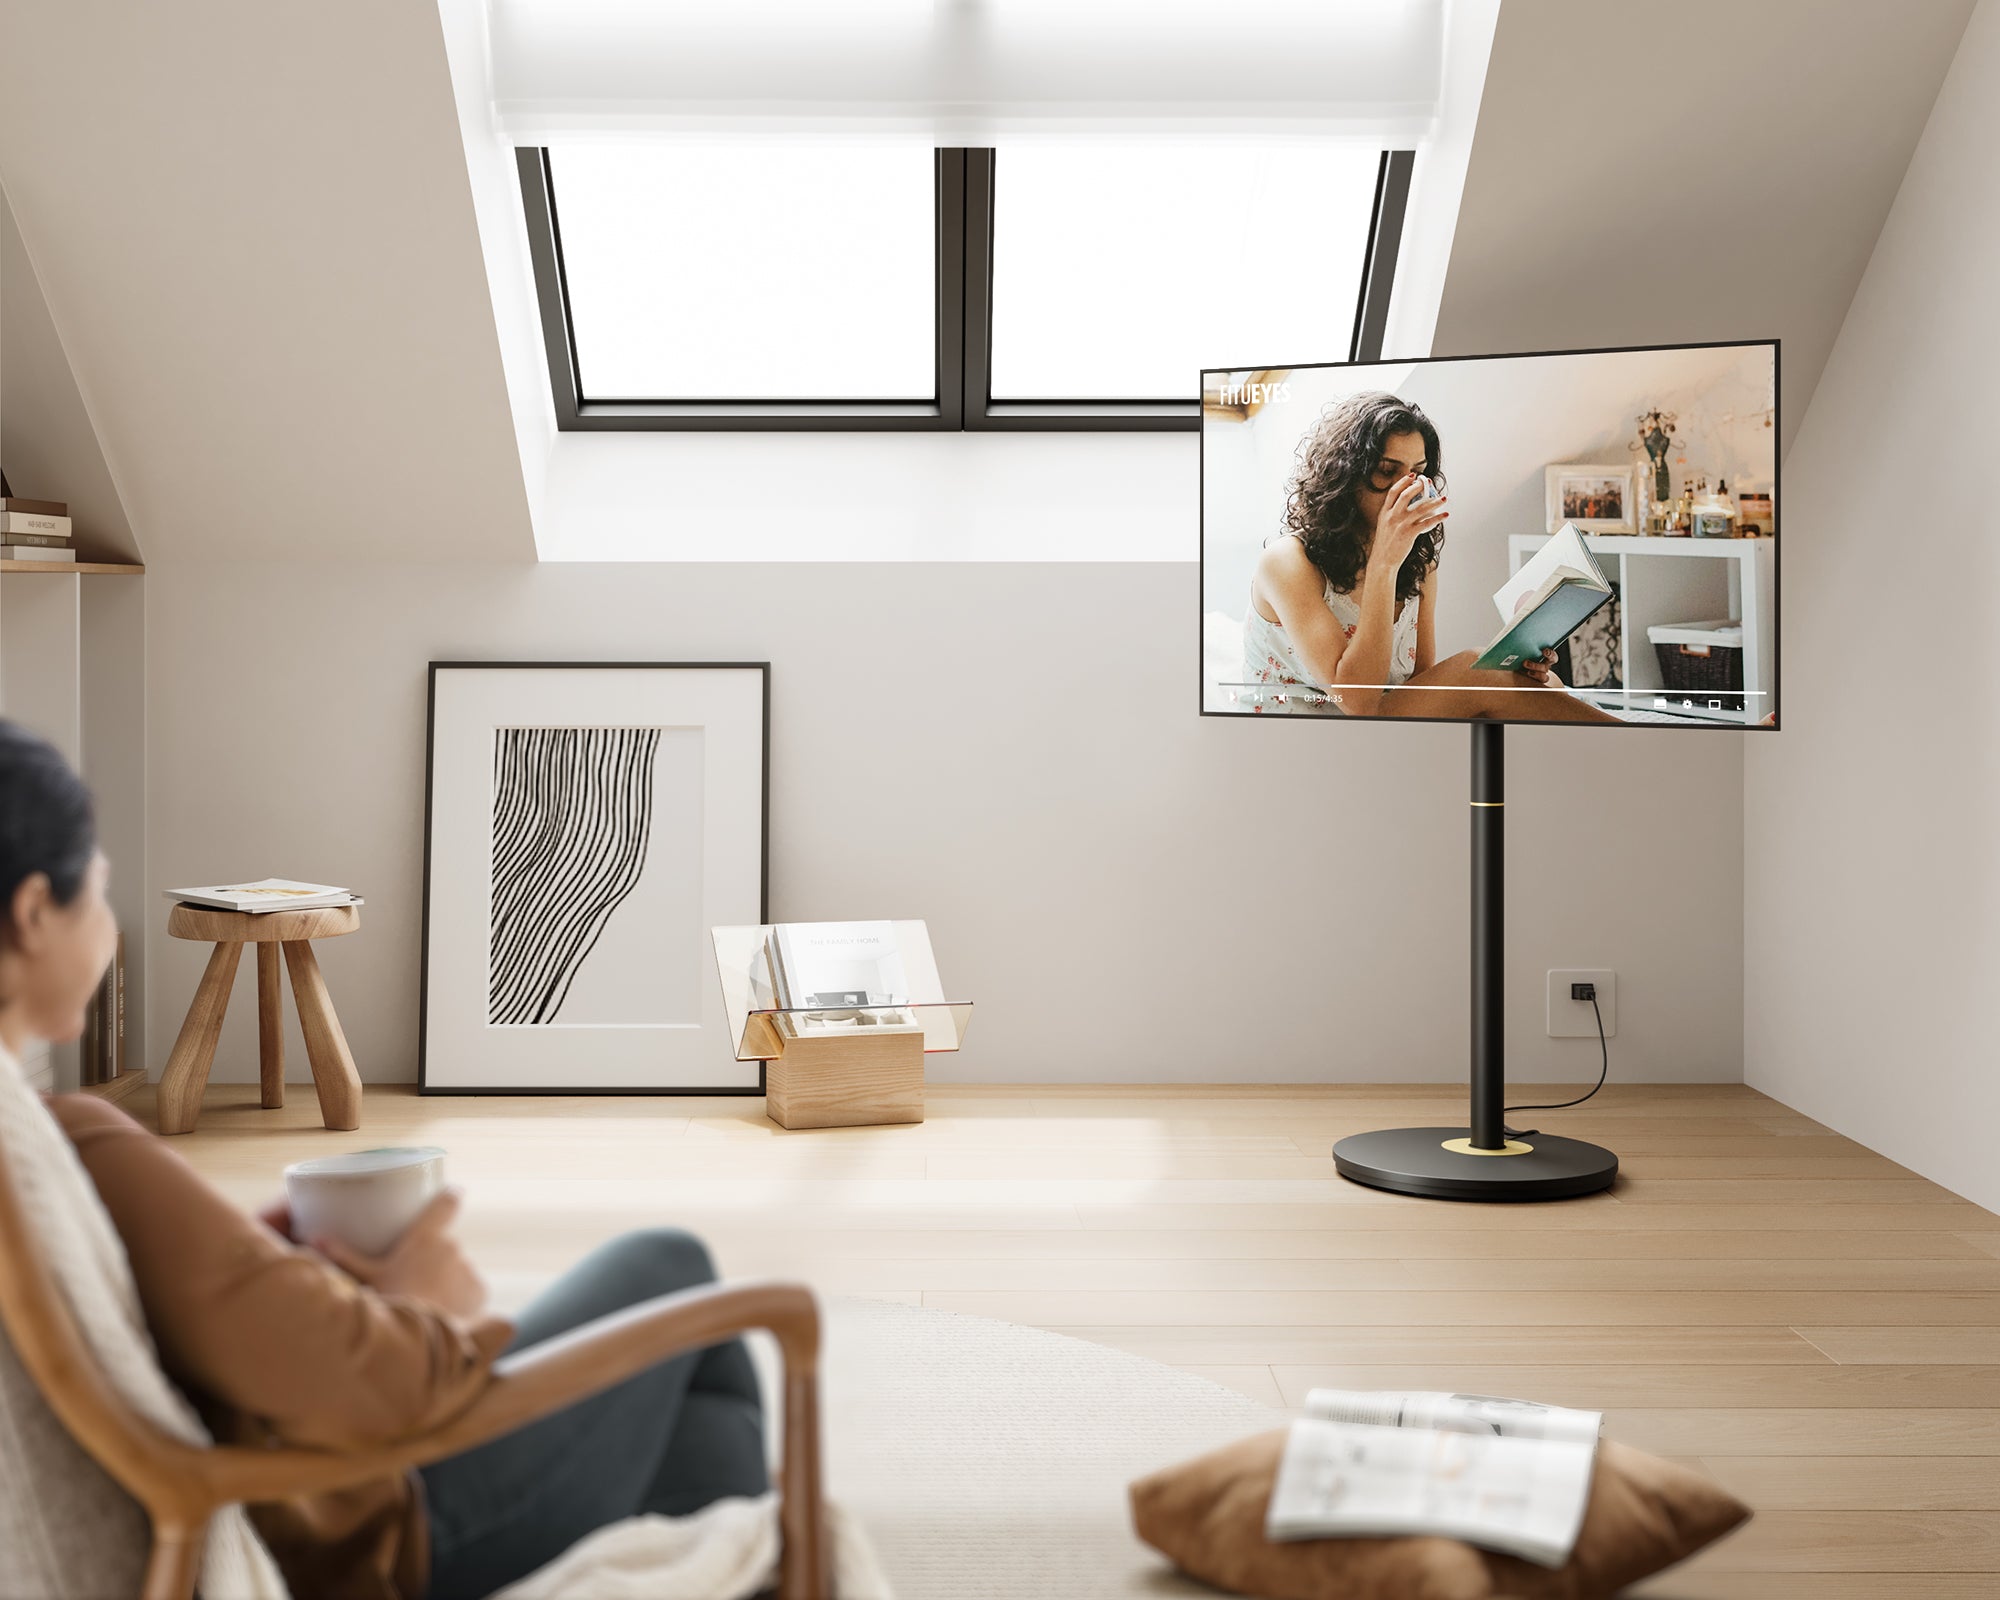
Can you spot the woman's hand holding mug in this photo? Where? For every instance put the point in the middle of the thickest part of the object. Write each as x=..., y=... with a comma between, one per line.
x=426, y=1263
x=1411, y=509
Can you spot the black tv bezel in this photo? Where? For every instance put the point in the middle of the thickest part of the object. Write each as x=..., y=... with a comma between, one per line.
x=1691, y=725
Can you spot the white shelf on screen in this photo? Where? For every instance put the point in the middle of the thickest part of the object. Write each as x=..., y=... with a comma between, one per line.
x=1680, y=580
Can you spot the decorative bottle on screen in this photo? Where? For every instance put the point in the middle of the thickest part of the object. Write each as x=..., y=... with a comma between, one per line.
x=1656, y=435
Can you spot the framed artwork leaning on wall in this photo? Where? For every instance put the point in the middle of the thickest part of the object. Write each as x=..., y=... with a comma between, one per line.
x=585, y=825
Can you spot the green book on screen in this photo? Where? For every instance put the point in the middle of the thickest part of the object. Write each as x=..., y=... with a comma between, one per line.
x=1556, y=591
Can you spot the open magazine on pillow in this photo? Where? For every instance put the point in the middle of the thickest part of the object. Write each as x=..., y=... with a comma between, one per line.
x=1507, y=1475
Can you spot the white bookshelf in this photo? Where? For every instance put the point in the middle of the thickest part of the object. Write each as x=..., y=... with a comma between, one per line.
x=1680, y=580
x=72, y=668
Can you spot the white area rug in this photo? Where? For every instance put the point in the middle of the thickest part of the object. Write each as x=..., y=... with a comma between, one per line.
x=989, y=1461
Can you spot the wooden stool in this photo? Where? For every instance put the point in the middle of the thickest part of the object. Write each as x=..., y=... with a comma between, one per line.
x=186, y=1074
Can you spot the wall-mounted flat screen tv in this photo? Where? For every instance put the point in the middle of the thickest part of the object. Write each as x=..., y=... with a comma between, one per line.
x=1582, y=536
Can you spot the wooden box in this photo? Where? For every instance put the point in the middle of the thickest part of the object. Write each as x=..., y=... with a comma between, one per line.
x=844, y=1080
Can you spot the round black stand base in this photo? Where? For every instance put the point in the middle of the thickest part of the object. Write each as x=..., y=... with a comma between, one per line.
x=1415, y=1161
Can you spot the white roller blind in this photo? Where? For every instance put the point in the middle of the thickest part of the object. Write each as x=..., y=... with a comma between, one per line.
x=974, y=72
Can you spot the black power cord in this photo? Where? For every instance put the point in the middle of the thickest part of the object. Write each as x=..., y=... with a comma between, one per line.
x=1578, y=991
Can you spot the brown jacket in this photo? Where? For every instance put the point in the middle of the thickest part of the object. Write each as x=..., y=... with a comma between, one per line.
x=274, y=1345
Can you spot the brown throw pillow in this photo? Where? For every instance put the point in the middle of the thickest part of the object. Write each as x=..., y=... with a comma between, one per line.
x=1207, y=1517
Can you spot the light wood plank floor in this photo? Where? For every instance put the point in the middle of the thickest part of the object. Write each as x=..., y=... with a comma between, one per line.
x=1816, y=1325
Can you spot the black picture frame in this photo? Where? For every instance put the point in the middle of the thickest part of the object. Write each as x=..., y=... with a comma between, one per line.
x=763, y=669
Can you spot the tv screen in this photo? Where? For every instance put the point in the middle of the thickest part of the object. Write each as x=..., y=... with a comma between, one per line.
x=1582, y=536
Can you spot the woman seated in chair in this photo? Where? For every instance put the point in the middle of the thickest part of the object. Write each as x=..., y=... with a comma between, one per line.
x=303, y=1342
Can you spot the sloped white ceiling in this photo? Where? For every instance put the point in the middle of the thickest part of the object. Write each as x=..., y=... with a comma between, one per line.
x=1653, y=174
x=48, y=443
x=254, y=233
x=253, y=227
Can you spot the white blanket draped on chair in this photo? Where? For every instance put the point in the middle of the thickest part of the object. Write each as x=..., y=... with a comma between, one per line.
x=88, y=1260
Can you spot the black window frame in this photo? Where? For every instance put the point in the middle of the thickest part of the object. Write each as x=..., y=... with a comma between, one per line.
x=963, y=266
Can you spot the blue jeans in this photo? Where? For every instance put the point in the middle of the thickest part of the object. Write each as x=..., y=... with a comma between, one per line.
x=680, y=1434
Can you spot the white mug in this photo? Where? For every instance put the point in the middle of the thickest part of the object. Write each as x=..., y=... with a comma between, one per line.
x=366, y=1199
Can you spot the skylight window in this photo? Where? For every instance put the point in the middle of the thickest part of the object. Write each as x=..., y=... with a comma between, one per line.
x=746, y=273
x=1120, y=271
x=764, y=283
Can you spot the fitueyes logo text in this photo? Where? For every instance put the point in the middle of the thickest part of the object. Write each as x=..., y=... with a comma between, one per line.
x=1251, y=394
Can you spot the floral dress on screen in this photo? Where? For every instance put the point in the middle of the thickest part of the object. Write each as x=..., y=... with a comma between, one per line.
x=1274, y=668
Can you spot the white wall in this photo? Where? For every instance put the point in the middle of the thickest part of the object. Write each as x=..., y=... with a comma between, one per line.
x=1872, y=884
x=773, y=498
x=1009, y=751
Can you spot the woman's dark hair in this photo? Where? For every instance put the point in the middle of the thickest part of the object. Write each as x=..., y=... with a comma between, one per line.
x=47, y=823
x=1335, y=459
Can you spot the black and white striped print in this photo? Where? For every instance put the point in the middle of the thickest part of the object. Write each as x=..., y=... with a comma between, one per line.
x=572, y=817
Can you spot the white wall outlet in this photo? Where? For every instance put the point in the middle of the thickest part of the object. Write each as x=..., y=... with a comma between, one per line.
x=1571, y=1019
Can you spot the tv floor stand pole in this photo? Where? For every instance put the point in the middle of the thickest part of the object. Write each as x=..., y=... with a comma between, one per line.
x=1479, y=1161
x=1489, y=935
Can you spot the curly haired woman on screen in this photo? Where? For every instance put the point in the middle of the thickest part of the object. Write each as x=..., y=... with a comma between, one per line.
x=1345, y=598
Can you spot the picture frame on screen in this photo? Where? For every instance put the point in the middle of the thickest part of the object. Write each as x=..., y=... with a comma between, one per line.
x=1460, y=538
x=1597, y=497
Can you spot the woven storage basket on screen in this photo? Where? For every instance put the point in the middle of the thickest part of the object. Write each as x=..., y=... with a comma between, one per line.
x=1714, y=670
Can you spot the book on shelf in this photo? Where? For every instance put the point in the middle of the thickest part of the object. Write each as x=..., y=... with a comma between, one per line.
x=117, y=1019
x=266, y=894
x=89, y=1046
x=1506, y=1475
x=55, y=556
x=101, y=1050
x=35, y=525
x=10, y=503
x=1556, y=591
x=114, y=1016
x=48, y=541
x=838, y=966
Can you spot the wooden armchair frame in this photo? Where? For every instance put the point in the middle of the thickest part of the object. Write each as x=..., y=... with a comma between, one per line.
x=182, y=1486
